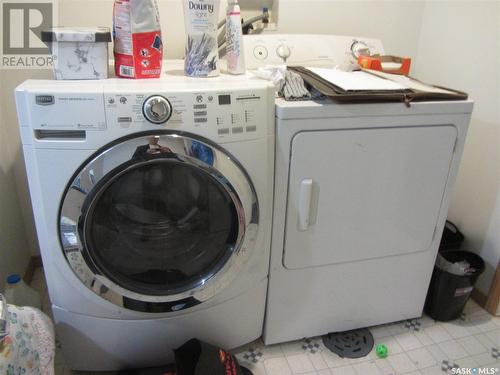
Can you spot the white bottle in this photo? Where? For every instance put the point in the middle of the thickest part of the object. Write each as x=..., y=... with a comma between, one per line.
x=234, y=39
x=19, y=294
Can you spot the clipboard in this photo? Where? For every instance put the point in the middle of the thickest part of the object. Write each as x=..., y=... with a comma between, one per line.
x=416, y=91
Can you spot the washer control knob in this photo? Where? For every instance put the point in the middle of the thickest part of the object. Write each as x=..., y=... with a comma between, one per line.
x=157, y=109
x=284, y=51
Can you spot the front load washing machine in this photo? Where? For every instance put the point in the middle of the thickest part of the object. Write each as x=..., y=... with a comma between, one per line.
x=153, y=204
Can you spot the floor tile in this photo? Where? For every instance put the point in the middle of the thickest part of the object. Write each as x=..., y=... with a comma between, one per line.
x=424, y=338
x=318, y=361
x=452, y=349
x=494, y=336
x=250, y=355
x=438, y=334
x=384, y=367
x=471, y=306
x=345, y=370
x=355, y=361
x=408, y=341
x=366, y=368
x=277, y=366
x=333, y=360
x=324, y=372
x=467, y=362
x=472, y=345
x=300, y=363
x=401, y=363
x=434, y=370
x=484, y=359
x=456, y=330
x=484, y=340
x=256, y=368
x=448, y=366
x=392, y=345
x=313, y=345
x=436, y=352
x=421, y=358
x=413, y=325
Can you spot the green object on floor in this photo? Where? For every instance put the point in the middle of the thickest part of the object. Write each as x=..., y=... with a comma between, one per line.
x=381, y=351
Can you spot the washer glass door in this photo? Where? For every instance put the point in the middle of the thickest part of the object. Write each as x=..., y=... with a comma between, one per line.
x=158, y=222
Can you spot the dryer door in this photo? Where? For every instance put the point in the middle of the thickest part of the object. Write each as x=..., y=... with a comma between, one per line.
x=358, y=194
x=158, y=222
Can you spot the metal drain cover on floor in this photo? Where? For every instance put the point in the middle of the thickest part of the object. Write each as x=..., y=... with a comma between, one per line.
x=350, y=344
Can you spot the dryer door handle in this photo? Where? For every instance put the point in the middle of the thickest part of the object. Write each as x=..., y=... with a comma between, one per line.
x=305, y=195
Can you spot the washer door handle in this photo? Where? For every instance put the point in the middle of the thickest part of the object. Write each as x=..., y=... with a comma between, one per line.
x=305, y=196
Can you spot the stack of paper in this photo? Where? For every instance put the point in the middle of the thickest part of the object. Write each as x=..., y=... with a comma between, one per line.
x=357, y=81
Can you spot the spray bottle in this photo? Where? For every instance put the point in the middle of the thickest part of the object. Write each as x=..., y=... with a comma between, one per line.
x=234, y=39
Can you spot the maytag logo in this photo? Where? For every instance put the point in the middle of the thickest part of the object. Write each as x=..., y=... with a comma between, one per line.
x=205, y=7
x=44, y=99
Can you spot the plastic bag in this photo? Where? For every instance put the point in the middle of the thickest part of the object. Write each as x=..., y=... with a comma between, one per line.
x=461, y=268
x=138, y=46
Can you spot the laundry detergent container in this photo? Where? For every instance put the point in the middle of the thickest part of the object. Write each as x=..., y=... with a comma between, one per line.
x=78, y=53
x=453, y=279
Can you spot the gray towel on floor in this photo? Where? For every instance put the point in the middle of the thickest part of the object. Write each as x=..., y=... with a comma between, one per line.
x=294, y=87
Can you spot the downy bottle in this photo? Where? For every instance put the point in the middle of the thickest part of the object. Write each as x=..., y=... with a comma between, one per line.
x=202, y=50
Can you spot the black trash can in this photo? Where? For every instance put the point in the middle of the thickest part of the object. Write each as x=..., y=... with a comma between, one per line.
x=448, y=293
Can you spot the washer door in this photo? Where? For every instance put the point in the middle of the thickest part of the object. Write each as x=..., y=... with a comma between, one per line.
x=159, y=222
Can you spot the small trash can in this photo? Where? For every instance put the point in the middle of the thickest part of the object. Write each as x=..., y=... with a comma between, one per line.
x=453, y=279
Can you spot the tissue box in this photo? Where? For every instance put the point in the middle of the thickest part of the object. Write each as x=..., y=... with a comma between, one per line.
x=78, y=53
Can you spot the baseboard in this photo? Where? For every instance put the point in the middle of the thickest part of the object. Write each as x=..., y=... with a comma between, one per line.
x=494, y=294
x=34, y=263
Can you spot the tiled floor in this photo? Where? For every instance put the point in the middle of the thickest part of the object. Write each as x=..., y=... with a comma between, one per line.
x=418, y=346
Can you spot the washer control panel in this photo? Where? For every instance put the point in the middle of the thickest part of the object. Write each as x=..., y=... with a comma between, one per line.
x=305, y=50
x=232, y=114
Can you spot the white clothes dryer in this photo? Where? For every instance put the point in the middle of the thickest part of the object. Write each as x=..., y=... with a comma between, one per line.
x=153, y=207
x=361, y=197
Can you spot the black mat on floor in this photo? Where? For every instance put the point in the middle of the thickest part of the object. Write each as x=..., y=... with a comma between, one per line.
x=350, y=344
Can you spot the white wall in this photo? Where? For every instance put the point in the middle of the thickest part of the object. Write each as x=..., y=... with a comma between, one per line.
x=459, y=47
x=396, y=22
x=14, y=253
